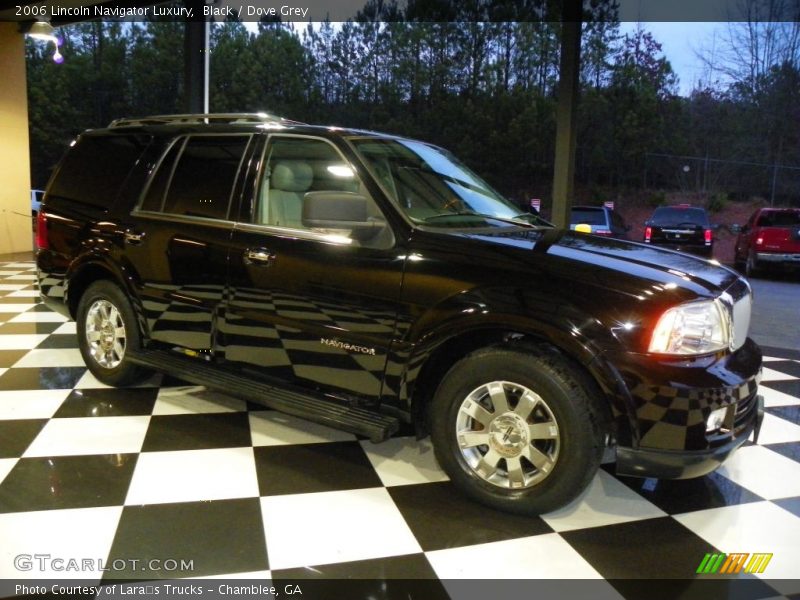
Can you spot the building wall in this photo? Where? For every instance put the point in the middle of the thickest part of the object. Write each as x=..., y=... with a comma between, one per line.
x=15, y=170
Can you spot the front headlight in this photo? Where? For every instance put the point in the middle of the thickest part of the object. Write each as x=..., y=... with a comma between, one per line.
x=692, y=328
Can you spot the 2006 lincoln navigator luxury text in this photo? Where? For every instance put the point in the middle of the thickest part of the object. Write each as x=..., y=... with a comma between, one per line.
x=362, y=280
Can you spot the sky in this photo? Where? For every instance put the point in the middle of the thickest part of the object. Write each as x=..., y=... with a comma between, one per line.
x=680, y=43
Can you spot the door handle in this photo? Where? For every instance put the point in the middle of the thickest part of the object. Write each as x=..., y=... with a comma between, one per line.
x=260, y=257
x=133, y=237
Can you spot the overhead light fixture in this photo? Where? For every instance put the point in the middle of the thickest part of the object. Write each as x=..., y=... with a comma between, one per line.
x=42, y=30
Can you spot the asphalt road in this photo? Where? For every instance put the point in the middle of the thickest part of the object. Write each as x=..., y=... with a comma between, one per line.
x=776, y=310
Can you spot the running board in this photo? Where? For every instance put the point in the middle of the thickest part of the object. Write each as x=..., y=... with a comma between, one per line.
x=375, y=426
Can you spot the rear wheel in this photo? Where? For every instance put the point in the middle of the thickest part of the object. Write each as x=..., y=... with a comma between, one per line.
x=517, y=431
x=107, y=332
x=752, y=267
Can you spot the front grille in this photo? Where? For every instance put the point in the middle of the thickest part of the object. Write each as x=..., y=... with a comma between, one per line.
x=739, y=299
x=741, y=320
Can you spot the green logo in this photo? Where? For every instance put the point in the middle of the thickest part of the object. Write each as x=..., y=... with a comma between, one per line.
x=736, y=562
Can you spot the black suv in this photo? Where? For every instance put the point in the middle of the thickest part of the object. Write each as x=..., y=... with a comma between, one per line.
x=363, y=280
x=682, y=227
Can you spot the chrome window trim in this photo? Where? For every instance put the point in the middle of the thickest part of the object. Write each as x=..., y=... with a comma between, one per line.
x=173, y=218
x=289, y=232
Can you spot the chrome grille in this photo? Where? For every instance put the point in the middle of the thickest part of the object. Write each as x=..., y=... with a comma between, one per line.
x=739, y=300
x=741, y=320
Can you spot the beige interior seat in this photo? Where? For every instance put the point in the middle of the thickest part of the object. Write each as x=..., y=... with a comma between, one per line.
x=289, y=181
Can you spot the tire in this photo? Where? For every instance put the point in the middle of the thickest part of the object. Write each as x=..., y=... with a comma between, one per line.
x=751, y=268
x=559, y=400
x=738, y=263
x=112, y=331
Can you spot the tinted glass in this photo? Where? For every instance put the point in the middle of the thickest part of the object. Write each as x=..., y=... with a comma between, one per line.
x=204, y=176
x=94, y=169
x=432, y=187
x=154, y=198
x=782, y=218
x=590, y=216
x=673, y=216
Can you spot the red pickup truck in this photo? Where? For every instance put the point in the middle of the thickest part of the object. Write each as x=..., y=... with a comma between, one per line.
x=770, y=238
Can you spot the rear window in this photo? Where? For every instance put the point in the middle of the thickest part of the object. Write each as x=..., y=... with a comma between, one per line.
x=590, y=216
x=93, y=170
x=782, y=218
x=673, y=216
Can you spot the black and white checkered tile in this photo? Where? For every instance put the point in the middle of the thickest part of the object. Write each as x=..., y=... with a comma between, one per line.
x=167, y=470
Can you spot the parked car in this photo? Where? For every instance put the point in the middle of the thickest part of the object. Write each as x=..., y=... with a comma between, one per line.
x=361, y=280
x=770, y=238
x=601, y=220
x=682, y=227
x=36, y=202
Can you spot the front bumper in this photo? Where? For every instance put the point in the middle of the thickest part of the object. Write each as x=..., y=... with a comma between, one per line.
x=683, y=464
x=779, y=257
x=668, y=401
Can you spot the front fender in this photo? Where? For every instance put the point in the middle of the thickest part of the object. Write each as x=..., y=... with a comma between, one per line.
x=561, y=324
x=469, y=320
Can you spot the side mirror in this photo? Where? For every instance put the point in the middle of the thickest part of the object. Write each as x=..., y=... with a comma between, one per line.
x=736, y=228
x=339, y=210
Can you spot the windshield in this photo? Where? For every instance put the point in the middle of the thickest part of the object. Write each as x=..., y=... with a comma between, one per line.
x=783, y=218
x=590, y=216
x=433, y=188
x=674, y=216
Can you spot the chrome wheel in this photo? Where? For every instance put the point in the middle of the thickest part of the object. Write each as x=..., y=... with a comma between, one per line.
x=507, y=435
x=105, y=334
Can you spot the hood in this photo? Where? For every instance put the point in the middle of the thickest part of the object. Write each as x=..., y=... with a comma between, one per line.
x=626, y=267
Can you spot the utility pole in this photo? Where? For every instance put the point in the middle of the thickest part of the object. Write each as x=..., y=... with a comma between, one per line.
x=566, y=126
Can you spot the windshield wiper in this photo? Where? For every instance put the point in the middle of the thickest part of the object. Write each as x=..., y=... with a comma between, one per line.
x=529, y=219
x=460, y=213
x=470, y=213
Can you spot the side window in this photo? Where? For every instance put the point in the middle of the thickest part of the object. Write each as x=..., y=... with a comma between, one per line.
x=203, y=177
x=295, y=168
x=93, y=170
x=154, y=197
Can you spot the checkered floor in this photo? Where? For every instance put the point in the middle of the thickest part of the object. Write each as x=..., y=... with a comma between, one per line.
x=166, y=470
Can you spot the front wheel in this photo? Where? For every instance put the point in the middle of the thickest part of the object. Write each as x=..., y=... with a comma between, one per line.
x=522, y=432
x=107, y=331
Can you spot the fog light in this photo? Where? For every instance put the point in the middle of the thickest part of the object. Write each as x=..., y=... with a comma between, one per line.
x=716, y=419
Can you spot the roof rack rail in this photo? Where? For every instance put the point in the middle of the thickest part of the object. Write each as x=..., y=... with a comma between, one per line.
x=193, y=119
